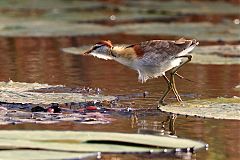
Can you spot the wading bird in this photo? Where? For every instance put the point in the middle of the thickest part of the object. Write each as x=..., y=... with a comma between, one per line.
x=150, y=59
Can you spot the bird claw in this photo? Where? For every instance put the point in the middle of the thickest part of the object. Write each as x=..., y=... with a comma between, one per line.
x=161, y=103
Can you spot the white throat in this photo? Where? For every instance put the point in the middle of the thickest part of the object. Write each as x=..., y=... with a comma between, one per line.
x=106, y=55
x=101, y=56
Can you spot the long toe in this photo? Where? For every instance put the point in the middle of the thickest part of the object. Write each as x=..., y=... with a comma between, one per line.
x=179, y=99
x=161, y=103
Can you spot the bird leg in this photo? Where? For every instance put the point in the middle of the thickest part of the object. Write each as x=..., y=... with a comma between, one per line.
x=174, y=72
x=172, y=79
x=171, y=82
x=169, y=87
x=179, y=76
x=189, y=57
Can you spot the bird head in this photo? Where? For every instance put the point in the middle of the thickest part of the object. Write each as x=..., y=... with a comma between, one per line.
x=102, y=49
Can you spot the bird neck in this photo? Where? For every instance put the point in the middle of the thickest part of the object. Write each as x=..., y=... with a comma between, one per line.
x=122, y=52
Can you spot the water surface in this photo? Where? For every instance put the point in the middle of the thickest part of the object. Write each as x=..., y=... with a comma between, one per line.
x=40, y=60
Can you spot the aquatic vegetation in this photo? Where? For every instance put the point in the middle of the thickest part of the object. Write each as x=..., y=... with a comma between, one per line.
x=68, y=143
x=218, y=108
x=32, y=34
x=16, y=92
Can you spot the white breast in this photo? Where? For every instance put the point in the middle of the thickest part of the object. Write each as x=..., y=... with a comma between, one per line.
x=126, y=62
x=153, y=71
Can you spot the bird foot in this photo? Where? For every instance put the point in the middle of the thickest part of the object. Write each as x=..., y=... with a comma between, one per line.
x=161, y=103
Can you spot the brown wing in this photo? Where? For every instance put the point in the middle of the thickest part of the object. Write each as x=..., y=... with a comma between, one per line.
x=164, y=47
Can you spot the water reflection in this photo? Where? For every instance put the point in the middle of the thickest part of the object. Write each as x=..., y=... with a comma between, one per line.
x=40, y=60
x=160, y=128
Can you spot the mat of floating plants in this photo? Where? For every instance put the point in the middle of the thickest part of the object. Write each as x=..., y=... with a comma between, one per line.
x=58, y=18
x=75, y=144
x=218, y=108
x=43, y=103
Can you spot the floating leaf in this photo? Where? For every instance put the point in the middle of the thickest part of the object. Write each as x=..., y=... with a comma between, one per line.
x=221, y=50
x=93, y=141
x=199, y=31
x=41, y=155
x=219, y=108
x=60, y=18
x=214, y=59
x=224, y=54
x=16, y=92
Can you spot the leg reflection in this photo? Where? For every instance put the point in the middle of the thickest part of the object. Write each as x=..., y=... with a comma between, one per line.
x=161, y=128
x=170, y=121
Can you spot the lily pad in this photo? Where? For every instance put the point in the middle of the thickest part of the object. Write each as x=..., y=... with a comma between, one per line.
x=174, y=7
x=218, y=108
x=224, y=54
x=199, y=58
x=17, y=92
x=50, y=28
x=107, y=142
x=203, y=31
x=61, y=18
x=188, y=7
x=199, y=31
x=23, y=154
x=220, y=50
x=45, y=104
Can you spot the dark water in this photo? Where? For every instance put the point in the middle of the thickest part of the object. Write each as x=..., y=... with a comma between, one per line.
x=40, y=60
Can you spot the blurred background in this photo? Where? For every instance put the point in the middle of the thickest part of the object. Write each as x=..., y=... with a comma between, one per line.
x=33, y=32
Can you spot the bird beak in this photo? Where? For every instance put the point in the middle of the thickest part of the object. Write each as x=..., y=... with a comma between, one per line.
x=87, y=52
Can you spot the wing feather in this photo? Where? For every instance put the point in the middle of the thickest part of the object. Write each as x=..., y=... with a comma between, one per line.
x=158, y=52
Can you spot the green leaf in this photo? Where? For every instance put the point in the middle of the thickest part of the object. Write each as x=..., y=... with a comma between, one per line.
x=19, y=92
x=217, y=54
x=219, y=108
x=93, y=141
x=41, y=154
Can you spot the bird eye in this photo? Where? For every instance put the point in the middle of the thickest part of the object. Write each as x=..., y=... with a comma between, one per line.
x=96, y=47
